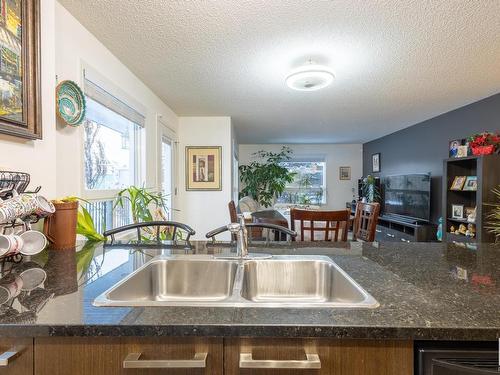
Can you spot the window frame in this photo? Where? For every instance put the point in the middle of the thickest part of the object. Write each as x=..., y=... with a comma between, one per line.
x=140, y=133
x=312, y=159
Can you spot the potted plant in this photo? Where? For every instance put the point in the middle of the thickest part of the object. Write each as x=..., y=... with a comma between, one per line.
x=493, y=218
x=70, y=219
x=266, y=179
x=370, y=190
x=146, y=206
x=485, y=143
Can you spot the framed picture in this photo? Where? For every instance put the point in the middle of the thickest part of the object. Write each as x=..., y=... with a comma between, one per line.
x=453, y=147
x=457, y=211
x=458, y=183
x=20, y=102
x=203, y=168
x=345, y=173
x=462, y=151
x=376, y=162
x=470, y=183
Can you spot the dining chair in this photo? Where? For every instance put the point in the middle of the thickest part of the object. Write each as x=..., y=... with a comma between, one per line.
x=173, y=227
x=365, y=221
x=233, y=214
x=335, y=223
x=265, y=232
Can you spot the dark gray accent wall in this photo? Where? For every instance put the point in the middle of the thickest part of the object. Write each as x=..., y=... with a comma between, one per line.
x=421, y=148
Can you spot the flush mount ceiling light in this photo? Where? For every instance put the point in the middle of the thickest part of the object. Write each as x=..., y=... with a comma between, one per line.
x=310, y=77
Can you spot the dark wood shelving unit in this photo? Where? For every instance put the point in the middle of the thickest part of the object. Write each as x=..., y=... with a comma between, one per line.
x=487, y=170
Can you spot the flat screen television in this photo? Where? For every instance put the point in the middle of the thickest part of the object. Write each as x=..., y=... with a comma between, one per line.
x=408, y=196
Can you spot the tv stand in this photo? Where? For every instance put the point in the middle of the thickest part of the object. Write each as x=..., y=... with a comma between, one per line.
x=392, y=228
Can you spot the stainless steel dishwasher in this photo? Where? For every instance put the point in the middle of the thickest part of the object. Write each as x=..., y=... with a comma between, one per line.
x=463, y=358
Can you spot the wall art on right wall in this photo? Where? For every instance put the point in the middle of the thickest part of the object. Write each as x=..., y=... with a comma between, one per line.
x=376, y=162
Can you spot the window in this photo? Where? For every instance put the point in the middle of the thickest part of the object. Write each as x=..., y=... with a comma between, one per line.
x=309, y=185
x=111, y=151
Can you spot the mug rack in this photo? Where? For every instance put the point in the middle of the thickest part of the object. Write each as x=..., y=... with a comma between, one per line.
x=12, y=183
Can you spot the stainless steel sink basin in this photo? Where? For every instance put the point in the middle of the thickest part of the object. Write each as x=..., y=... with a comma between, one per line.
x=299, y=281
x=176, y=281
x=283, y=281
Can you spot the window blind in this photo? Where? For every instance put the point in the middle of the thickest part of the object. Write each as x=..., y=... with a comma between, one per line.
x=104, y=97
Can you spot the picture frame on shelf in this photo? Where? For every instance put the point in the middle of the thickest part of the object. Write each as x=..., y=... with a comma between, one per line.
x=376, y=162
x=458, y=148
x=457, y=211
x=203, y=168
x=345, y=173
x=470, y=214
x=463, y=151
x=470, y=183
x=458, y=183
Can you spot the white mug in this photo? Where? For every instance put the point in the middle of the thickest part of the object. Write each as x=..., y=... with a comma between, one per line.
x=23, y=205
x=10, y=244
x=34, y=242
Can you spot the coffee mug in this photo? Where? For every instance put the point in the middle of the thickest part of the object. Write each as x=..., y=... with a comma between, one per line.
x=34, y=242
x=23, y=205
x=10, y=244
x=10, y=286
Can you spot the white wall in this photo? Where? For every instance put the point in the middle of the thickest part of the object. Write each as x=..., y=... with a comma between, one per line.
x=205, y=210
x=38, y=157
x=336, y=155
x=77, y=47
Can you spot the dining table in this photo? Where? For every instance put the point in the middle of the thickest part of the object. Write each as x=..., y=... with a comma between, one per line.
x=271, y=217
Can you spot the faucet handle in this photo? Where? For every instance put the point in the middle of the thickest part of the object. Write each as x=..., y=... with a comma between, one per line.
x=241, y=220
x=234, y=228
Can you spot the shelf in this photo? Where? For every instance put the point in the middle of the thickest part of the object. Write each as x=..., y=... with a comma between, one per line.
x=460, y=220
x=459, y=237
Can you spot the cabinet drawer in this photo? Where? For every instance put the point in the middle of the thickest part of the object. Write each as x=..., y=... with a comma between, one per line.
x=249, y=356
x=16, y=356
x=128, y=356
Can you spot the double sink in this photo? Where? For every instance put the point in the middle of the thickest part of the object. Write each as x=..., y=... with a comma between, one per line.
x=282, y=281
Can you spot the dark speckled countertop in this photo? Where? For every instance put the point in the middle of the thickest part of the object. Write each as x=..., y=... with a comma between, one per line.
x=425, y=290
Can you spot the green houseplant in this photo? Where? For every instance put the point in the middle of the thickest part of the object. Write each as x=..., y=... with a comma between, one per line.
x=493, y=218
x=265, y=179
x=370, y=189
x=146, y=206
x=85, y=224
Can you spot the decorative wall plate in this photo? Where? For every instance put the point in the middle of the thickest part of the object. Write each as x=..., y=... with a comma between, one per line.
x=70, y=103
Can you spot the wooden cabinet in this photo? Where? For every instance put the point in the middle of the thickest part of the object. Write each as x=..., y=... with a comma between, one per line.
x=128, y=356
x=263, y=356
x=16, y=356
x=205, y=356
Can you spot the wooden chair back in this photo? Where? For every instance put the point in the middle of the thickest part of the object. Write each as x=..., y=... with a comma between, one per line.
x=365, y=221
x=334, y=224
x=233, y=215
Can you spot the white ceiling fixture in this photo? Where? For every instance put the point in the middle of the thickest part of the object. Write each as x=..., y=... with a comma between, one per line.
x=396, y=63
x=310, y=77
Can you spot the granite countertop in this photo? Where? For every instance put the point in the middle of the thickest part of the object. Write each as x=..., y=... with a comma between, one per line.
x=425, y=290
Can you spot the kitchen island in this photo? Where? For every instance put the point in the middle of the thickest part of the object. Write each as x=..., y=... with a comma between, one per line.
x=426, y=291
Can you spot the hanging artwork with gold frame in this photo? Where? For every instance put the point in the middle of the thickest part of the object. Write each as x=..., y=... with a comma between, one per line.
x=203, y=168
x=20, y=106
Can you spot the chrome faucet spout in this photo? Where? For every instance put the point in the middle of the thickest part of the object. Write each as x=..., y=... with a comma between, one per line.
x=240, y=231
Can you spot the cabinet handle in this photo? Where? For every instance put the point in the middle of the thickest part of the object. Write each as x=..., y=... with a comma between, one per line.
x=6, y=356
x=132, y=361
x=312, y=361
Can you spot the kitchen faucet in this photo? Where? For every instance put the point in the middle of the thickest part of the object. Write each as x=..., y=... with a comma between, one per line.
x=240, y=231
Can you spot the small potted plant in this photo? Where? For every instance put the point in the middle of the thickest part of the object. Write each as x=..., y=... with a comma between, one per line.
x=485, y=143
x=493, y=218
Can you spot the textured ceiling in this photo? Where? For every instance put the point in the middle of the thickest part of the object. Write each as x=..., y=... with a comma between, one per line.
x=397, y=62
